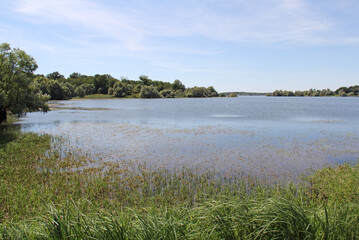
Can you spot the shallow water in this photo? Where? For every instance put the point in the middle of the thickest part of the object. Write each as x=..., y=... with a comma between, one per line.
x=263, y=136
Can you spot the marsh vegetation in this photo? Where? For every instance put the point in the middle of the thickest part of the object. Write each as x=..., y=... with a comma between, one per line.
x=46, y=193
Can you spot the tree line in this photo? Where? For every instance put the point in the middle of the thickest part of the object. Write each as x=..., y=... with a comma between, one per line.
x=23, y=91
x=57, y=87
x=341, y=92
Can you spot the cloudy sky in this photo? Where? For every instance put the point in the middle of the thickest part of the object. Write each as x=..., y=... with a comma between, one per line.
x=234, y=45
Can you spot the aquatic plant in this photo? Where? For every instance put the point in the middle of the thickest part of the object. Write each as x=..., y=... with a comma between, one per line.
x=50, y=192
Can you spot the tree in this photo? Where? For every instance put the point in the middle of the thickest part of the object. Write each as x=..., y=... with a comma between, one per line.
x=75, y=75
x=149, y=92
x=55, y=76
x=56, y=90
x=167, y=93
x=177, y=85
x=146, y=81
x=101, y=83
x=212, y=92
x=197, y=92
x=17, y=93
x=121, y=89
x=80, y=91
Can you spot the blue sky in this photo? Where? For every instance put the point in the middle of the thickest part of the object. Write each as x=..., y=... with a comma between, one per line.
x=233, y=45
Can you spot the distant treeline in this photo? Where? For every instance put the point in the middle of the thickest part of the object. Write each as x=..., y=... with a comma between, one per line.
x=57, y=87
x=341, y=92
x=232, y=94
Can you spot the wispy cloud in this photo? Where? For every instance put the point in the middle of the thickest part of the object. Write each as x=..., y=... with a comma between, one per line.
x=141, y=28
x=135, y=26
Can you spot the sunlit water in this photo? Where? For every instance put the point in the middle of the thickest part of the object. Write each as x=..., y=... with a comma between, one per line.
x=263, y=136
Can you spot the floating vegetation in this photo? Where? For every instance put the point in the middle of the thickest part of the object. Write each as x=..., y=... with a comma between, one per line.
x=207, y=147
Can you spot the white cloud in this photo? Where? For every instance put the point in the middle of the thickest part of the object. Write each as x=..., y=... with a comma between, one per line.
x=141, y=28
x=237, y=21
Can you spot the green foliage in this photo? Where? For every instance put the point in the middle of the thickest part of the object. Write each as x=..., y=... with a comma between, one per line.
x=80, y=91
x=88, y=88
x=342, y=92
x=75, y=75
x=59, y=91
x=77, y=84
x=145, y=80
x=102, y=83
x=340, y=183
x=2, y=98
x=177, y=85
x=167, y=93
x=51, y=194
x=55, y=76
x=121, y=89
x=232, y=95
x=17, y=93
x=149, y=92
x=201, y=92
x=212, y=92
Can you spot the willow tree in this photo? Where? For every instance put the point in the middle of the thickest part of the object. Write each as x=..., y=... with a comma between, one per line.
x=17, y=93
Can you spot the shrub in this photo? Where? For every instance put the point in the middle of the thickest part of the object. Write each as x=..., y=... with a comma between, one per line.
x=149, y=92
x=167, y=93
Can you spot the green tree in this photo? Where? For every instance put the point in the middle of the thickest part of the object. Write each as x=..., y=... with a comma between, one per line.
x=88, y=88
x=17, y=93
x=197, y=92
x=121, y=90
x=57, y=90
x=212, y=92
x=55, y=76
x=75, y=75
x=80, y=91
x=145, y=80
x=149, y=92
x=101, y=83
x=167, y=93
x=177, y=85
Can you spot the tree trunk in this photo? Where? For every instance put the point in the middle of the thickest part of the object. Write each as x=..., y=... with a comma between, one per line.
x=3, y=115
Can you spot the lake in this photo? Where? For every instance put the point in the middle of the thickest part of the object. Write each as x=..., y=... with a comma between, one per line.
x=270, y=137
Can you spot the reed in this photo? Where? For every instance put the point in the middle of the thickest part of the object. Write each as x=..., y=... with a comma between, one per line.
x=47, y=192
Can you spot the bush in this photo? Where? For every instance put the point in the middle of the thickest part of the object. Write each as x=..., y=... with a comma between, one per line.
x=149, y=92
x=80, y=91
x=121, y=90
x=167, y=93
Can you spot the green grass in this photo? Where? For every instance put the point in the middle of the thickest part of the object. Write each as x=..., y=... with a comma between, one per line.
x=46, y=193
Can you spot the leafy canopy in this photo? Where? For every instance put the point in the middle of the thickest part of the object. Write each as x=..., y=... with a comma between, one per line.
x=17, y=93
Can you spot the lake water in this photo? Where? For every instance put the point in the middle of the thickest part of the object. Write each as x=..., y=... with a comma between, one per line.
x=257, y=135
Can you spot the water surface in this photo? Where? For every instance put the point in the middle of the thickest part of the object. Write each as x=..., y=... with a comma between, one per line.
x=263, y=136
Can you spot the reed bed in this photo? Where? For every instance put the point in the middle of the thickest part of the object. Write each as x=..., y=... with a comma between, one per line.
x=47, y=192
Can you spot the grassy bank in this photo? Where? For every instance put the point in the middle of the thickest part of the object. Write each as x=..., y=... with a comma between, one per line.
x=48, y=193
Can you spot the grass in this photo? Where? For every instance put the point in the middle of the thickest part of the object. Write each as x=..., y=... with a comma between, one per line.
x=49, y=193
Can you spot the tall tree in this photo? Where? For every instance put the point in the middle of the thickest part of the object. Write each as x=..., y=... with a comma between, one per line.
x=17, y=93
x=55, y=76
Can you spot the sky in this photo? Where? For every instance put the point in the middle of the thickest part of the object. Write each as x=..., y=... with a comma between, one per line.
x=233, y=45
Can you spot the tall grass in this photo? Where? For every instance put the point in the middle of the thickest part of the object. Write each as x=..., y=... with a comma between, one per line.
x=48, y=193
